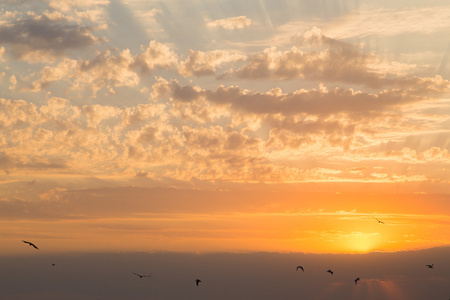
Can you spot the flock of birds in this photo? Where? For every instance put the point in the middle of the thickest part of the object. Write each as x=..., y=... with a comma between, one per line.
x=197, y=281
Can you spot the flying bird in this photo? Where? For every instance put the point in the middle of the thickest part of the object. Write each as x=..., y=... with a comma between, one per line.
x=53, y=264
x=140, y=276
x=331, y=272
x=31, y=244
x=300, y=267
x=381, y=222
x=430, y=266
x=356, y=280
x=197, y=281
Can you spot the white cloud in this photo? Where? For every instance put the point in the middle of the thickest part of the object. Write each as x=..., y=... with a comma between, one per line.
x=231, y=23
x=201, y=63
x=156, y=55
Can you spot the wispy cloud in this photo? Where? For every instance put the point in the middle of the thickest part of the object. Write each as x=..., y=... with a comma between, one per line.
x=383, y=22
x=231, y=23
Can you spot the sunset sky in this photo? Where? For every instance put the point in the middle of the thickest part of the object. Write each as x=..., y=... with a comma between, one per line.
x=224, y=126
x=227, y=140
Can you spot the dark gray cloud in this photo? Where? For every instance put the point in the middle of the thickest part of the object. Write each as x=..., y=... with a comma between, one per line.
x=43, y=36
x=389, y=276
x=314, y=101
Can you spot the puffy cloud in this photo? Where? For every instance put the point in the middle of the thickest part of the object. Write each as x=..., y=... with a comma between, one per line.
x=314, y=101
x=147, y=134
x=296, y=132
x=160, y=89
x=142, y=113
x=42, y=38
x=98, y=113
x=411, y=156
x=14, y=113
x=215, y=140
x=320, y=58
x=201, y=63
x=231, y=23
x=156, y=55
x=104, y=71
x=339, y=63
x=108, y=69
x=62, y=70
x=313, y=37
x=12, y=82
x=150, y=138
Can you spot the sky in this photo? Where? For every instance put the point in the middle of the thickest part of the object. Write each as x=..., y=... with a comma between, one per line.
x=224, y=126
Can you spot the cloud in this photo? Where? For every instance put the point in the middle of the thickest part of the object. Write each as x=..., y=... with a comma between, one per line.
x=52, y=195
x=98, y=113
x=105, y=71
x=42, y=38
x=156, y=55
x=201, y=63
x=141, y=114
x=95, y=16
x=188, y=133
x=109, y=69
x=63, y=70
x=148, y=14
x=327, y=60
x=315, y=101
x=384, y=22
x=231, y=23
x=411, y=156
x=12, y=82
x=66, y=5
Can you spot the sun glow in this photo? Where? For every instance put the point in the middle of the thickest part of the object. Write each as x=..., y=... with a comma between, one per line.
x=361, y=242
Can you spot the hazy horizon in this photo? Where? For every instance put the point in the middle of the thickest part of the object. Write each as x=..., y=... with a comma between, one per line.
x=263, y=275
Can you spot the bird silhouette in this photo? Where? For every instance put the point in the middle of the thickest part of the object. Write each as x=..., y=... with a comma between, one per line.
x=356, y=280
x=430, y=266
x=53, y=264
x=197, y=281
x=31, y=244
x=381, y=222
x=140, y=276
x=300, y=267
x=329, y=271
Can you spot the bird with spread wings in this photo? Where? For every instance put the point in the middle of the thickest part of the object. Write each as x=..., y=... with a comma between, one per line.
x=141, y=276
x=31, y=244
x=380, y=222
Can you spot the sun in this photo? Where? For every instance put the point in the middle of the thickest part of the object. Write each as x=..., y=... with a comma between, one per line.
x=360, y=242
